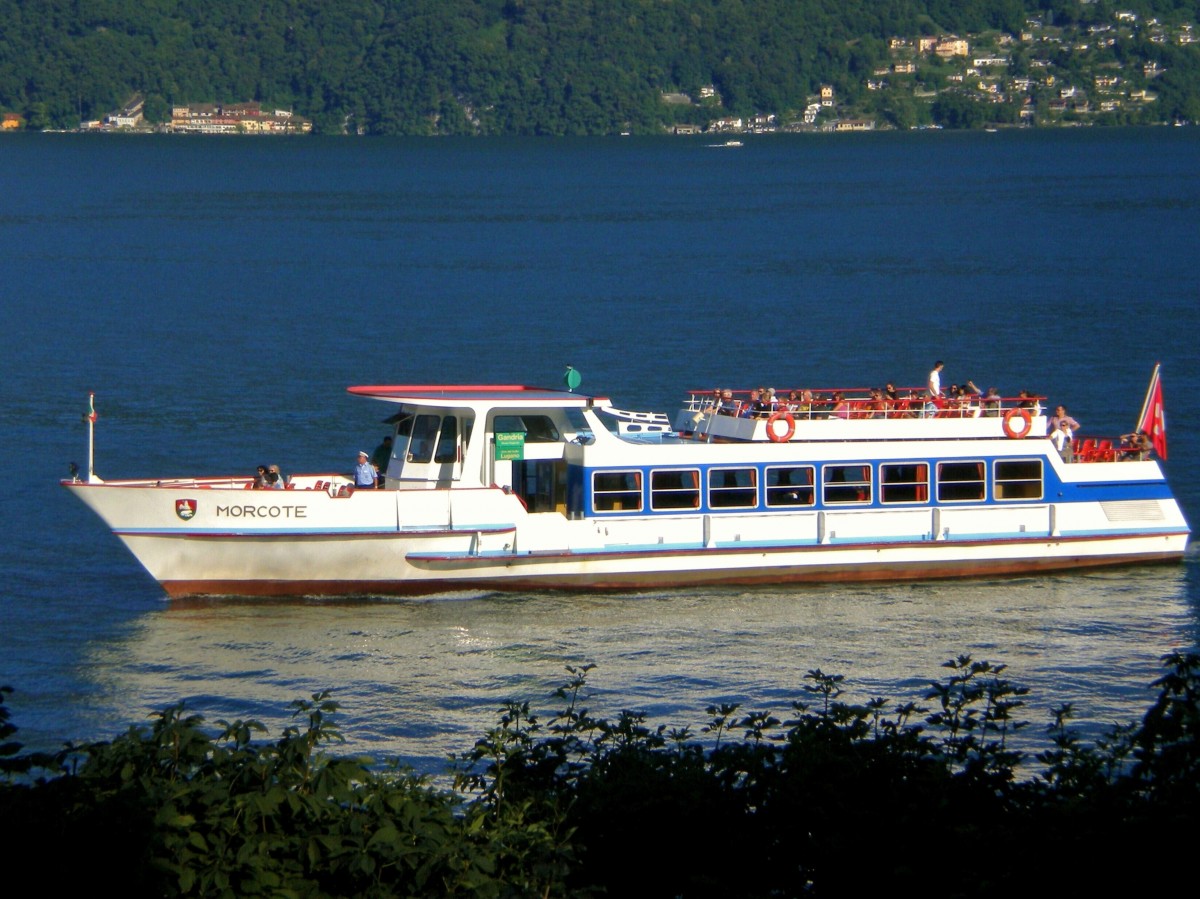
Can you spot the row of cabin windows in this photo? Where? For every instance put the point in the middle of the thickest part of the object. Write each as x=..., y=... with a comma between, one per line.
x=796, y=485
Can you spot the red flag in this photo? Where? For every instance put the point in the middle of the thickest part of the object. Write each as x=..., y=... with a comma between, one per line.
x=1153, y=422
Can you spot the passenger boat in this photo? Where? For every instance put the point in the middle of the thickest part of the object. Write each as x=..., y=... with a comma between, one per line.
x=524, y=488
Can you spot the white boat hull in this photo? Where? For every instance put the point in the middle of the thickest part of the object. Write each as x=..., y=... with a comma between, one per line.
x=308, y=543
x=516, y=488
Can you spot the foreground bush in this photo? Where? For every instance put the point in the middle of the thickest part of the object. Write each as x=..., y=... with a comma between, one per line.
x=836, y=799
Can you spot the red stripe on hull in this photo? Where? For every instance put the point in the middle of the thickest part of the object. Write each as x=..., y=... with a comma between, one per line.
x=808, y=574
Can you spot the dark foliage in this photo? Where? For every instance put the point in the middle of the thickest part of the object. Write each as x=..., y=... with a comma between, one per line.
x=836, y=799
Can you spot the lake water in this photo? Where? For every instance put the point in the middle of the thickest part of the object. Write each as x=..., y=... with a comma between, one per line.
x=220, y=294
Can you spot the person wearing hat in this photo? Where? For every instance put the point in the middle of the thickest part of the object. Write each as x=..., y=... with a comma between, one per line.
x=364, y=472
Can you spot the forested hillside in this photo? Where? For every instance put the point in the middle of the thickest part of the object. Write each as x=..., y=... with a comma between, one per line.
x=530, y=66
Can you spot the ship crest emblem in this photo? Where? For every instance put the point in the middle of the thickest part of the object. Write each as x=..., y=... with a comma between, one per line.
x=185, y=508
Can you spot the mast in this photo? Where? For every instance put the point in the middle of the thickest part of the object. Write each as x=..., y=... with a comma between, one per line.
x=91, y=420
x=1152, y=421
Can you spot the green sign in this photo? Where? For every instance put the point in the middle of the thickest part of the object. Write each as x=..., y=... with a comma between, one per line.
x=510, y=445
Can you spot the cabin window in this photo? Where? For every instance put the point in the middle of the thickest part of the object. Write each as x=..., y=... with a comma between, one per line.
x=961, y=482
x=906, y=483
x=732, y=488
x=1017, y=479
x=404, y=425
x=791, y=486
x=846, y=484
x=447, y=445
x=537, y=428
x=675, y=489
x=424, y=437
x=617, y=491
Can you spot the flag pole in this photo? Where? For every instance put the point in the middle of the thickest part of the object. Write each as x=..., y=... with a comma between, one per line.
x=91, y=420
x=1141, y=422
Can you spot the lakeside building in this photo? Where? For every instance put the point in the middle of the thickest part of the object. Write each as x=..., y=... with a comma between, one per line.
x=235, y=118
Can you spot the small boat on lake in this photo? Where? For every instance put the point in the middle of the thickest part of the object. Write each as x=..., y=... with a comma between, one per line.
x=523, y=488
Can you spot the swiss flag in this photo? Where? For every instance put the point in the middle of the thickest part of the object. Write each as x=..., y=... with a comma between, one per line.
x=1153, y=423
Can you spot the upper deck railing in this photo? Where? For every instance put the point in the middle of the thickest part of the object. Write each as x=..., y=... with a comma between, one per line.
x=865, y=403
x=858, y=403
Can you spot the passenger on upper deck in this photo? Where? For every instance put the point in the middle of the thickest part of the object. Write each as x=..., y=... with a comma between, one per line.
x=1060, y=415
x=953, y=403
x=1136, y=446
x=876, y=406
x=991, y=403
x=754, y=407
x=764, y=405
x=892, y=403
x=1060, y=436
x=841, y=408
x=971, y=395
x=260, y=477
x=275, y=478
x=934, y=385
x=806, y=403
x=1030, y=401
x=727, y=405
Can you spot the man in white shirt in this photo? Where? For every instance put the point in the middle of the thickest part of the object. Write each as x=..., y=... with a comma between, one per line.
x=364, y=473
x=935, y=390
x=935, y=379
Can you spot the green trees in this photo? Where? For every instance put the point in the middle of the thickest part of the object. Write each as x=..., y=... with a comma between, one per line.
x=502, y=66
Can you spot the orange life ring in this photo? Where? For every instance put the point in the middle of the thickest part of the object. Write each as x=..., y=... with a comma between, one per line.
x=1026, y=423
x=773, y=435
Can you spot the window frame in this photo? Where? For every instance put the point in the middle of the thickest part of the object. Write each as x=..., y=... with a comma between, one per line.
x=982, y=481
x=999, y=483
x=614, y=493
x=772, y=490
x=828, y=485
x=717, y=493
x=916, y=486
x=658, y=494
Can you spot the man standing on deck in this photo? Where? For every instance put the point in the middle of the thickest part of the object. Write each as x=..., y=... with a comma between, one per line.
x=364, y=472
x=934, y=387
x=380, y=459
x=935, y=379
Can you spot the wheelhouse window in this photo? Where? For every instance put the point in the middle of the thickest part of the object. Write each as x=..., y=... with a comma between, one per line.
x=675, y=489
x=617, y=491
x=447, y=444
x=423, y=438
x=732, y=488
x=1017, y=479
x=537, y=428
x=961, y=482
x=791, y=486
x=904, y=483
x=843, y=484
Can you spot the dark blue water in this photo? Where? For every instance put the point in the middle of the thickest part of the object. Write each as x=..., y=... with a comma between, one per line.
x=219, y=294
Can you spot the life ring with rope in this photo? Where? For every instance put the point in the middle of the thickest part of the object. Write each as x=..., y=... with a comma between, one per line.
x=1026, y=423
x=786, y=417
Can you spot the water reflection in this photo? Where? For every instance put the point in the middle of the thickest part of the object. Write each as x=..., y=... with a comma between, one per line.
x=423, y=679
